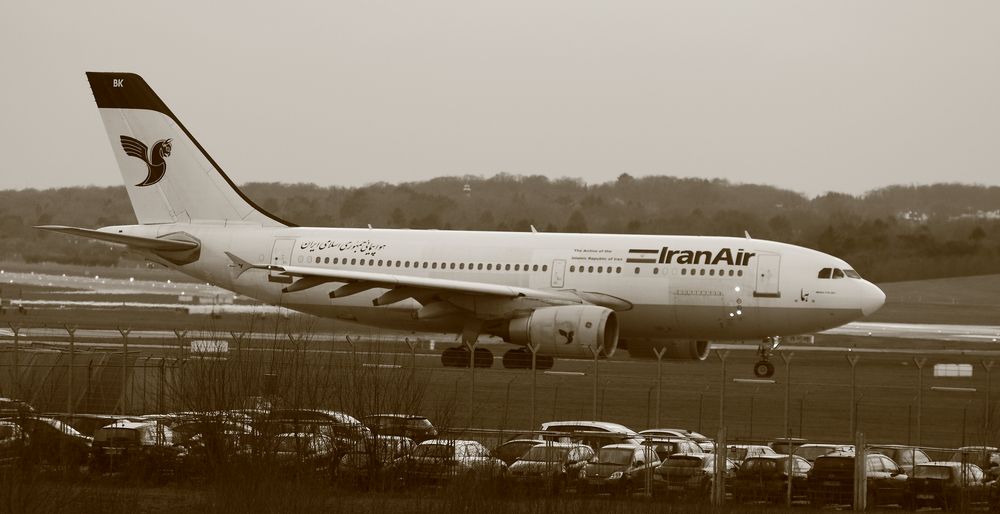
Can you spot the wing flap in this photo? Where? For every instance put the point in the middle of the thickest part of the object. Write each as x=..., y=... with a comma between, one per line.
x=369, y=280
x=143, y=243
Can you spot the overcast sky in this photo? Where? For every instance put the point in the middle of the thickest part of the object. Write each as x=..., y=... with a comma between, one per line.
x=810, y=96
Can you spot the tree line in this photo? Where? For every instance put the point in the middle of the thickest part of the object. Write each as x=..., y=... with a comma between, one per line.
x=889, y=234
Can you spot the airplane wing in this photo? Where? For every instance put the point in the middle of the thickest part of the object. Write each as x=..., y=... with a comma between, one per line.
x=404, y=286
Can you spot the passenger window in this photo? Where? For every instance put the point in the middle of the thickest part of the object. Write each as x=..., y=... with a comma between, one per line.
x=838, y=273
x=739, y=273
x=517, y=267
x=506, y=267
x=354, y=262
x=600, y=269
x=434, y=266
x=545, y=267
x=730, y=273
x=489, y=267
x=534, y=268
x=479, y=266
x=379, y=261
x=572, y=269
x=398, y=263
x=618, y=269
x=684, y=271
x=425, y=265
x=824, y=273
x=701, y=272
x=637, y=270
x=711, y=272
x=590, y=269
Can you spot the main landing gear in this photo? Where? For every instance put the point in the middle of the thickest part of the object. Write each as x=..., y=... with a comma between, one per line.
x=764, y=368
x=520, y=358
x=458, y=357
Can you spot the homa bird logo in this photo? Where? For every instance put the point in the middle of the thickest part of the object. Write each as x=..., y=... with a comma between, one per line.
x=155, y=158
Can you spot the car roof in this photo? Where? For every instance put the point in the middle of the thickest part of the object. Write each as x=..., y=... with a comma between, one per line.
x=942, y=464
x=131, y=425
x=396, y=416
x=561, y=445
x=449, y=442
x=621, y=446
x=603, y=426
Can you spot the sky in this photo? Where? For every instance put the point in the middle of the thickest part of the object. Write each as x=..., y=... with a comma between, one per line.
x=843, y=96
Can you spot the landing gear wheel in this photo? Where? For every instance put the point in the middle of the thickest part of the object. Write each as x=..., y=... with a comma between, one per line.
x=455, y=357
x=763, y=369
x=517, y=359
x=483, y=358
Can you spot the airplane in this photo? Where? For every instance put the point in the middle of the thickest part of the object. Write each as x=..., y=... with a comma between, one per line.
x=551, y=294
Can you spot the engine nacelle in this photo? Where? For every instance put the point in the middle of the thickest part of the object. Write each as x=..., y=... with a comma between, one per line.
x=567, y=331
x=676, y=349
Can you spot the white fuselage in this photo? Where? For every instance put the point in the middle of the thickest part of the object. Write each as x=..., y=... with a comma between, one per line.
x=670, y=287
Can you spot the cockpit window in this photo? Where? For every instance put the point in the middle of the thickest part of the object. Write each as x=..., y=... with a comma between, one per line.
x=851, y=273
x=838, y=273
x=825, y=272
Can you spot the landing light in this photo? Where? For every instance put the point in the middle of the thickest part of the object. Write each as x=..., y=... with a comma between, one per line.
x=737, y=289
x=739, y=312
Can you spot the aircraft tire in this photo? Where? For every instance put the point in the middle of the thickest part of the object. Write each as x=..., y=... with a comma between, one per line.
x=455, y=357
x=517, y=359
x=483, y=358
x=763, y=369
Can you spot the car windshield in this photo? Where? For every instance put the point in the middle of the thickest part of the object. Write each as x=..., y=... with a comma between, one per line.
x=810, y=453
x=759, y=465
x=738, y=453
x=434, y=451
x=618, y=456
x=544, y=453
x=683, y=462
x=835, y=463
x=942, y=472
x=117, y=434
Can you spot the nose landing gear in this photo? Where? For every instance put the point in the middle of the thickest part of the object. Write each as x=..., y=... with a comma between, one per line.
x=763, y=368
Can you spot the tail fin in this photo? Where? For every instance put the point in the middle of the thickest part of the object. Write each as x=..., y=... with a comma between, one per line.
x=170, y=178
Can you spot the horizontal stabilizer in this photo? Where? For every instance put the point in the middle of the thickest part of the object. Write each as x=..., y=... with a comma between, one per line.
x=141, y=243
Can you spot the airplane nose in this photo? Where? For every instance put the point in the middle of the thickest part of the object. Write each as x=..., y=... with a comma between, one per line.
x=872, y=299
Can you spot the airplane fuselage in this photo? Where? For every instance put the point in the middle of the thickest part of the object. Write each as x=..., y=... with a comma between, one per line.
x=669, y=287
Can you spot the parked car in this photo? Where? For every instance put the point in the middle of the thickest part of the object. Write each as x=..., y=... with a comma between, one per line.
x=592, y=433
x=551, y=466
x=438, y=461
x=986, y=457
x=342, y=429
x=667, y=446
x=366, y=465
x=742, y=452
x=304, y=453
x=144, y=448
x=949, y=485
x=50, y=441
x=620, y=469
x=707, y=445
x=688, y=476
x=417, y=428
x=810, y=451
x=765, y=478
x=13, y=408
x=904, y=456
x=831, y=480
x=12, y=443
x=513, y=449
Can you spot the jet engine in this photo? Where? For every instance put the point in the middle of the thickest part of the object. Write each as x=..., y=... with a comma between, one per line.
x=567, y=331
x=676, y=349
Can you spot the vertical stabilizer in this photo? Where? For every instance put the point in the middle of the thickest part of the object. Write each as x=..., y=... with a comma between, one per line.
x=170, y=178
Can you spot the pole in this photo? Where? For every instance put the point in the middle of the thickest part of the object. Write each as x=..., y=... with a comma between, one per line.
x=988, y=365
x=124, y=332
x=180, y=334
x=533, y=348
x=413, y=352
x=596, y=352
x=722, y=355
x=69, y=368
x=919, y=362
x=16, y=329
x=660, y=352
x=471, y=346
x=787, y=359
x=853, y=361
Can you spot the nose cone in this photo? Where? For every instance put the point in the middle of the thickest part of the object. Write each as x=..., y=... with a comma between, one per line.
x=872, y=298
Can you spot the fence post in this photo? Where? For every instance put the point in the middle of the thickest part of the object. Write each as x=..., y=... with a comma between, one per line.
x=533, y=348
x=787, y=359
x=659, y=352
x=180, y=334
x=16, y=329
x=124, y=332
x=919, y=362
x=853, y=361
x=71, y=330
x=471, y=346
x=596, y=352
x=988, y=366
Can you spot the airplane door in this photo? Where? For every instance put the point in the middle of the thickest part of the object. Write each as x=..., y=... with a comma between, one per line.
x=281, y=255
x=768, y=267
x=558, y=272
